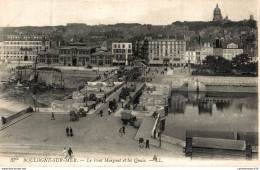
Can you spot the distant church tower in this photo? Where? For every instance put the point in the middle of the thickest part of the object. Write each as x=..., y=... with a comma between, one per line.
x=217, y=16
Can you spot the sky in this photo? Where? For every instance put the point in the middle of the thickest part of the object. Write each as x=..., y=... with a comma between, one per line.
x=93, y=12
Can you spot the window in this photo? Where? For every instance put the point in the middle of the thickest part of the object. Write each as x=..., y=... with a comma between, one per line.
x=123, y=45
x=129, y=46
x=115, y=46
x=129, y=50
x=118, y=45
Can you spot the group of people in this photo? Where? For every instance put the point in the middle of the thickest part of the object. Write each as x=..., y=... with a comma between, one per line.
x=69, y=132
x=109, y=111
x=67, y=153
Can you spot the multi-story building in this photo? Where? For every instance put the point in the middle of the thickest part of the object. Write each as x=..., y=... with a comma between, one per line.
x=231, y=51
x=206, y=49
x=251, y=51
x=190, y=57
x=198, y=56
x=1, y=51
x=140, y=49
x=218, y=52
x=122, y=53
x=167, y=52
x=23, y=47
x=75, y=55
x=101, y=58
x=49, y=57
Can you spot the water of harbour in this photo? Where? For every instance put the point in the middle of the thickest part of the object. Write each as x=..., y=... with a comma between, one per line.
x=211, y=111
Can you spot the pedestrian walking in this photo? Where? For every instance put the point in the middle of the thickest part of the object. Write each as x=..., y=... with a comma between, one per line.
x=71, y=132
x=52, y=116
x=68, y=131
x=101, y=113
x=123, y=129
x=64, y=152
x=147, y=144
x=70, y=152
x=109, y=111
x=105, y=98
x=94, y=106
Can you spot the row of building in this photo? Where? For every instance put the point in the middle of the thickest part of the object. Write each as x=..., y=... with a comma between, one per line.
x=28, y=48
x=175, y=52
x=159, y=52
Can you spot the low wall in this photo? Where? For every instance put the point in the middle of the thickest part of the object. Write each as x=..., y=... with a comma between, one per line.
x=232, y=88
x=221, y=84
x=16, y=115
x=226, y=80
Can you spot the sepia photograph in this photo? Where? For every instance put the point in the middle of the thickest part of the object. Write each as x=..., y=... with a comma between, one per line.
x=129, y=83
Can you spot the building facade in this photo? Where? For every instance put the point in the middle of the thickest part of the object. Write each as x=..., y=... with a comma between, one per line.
x=1, y=51
x=49, y=57
x=251, y=51
x=198, y=56
x=75, y=55
x=101, y=58
x=231, y=51
x=167, y=52
x=23, y=47
x=190, y=57
x=218, y=52
x=206, y=49
x=122, y=53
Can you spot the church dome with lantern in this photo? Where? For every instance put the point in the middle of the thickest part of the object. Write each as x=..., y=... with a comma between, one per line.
x=217, y=16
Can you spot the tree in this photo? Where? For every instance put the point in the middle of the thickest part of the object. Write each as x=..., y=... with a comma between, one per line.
x=210, y=61
x=239, y=61
x=223, y=65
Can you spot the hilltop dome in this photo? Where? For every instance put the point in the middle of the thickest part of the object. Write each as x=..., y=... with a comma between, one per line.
x=217, y=14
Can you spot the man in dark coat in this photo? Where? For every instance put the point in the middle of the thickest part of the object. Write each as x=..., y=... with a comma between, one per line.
x=70, y=152
x=101, y=112
x=52, y=116
x=147, y=144
x=71, y=132
x=67, y=131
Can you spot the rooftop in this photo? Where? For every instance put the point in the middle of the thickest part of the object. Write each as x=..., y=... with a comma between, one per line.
x=50, y=51
x=77, y=47
x=219, y=143
x=102, y=53
x=24, y=38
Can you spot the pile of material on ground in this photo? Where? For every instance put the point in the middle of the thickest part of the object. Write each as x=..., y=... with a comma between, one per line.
x=68, y=104
x=152, y=100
